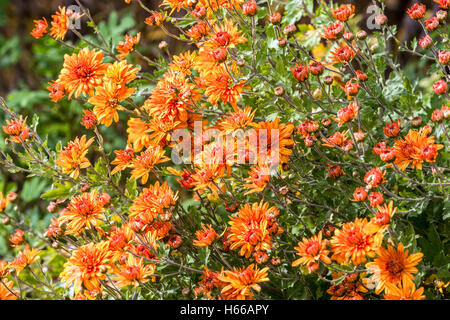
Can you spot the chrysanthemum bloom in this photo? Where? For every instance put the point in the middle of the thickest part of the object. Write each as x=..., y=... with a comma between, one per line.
x=333, y=31
x=343, y=13
x=153, y=201
x=138, y=134
x=349, y=289
x=155, y=19
x=86, y=267
x=53, y=229
x=172, y=98
x=24, y=258
x=40, y=28
x=416, y=148
x=343, y=54
x=444, y=57
x=393, y=266
x=73, y=157
x=437, y=115
x=56, y=91
x=120, y=72
x=440, y=87
x=334, y=171
x=391, y=129
x=237, y=283
x=238, y=119
x=143, y=163
x=300, y=72
x=426, y=42
x=119, y=242
x=106, y=101
x=307, y=127
x=384, y=214
x=225, y=35
x=312, y=251
x=89, y=120
x=374, y=177
x=249, y=229
x=16, y=238
x=220, y=86
x=346, y=114
x=407, y=291
x=60, y=23
x=82, y=72
x=432, y=23
x=388, y=154
x=355, y=241
x=133, y=272
x=417, y=11
x=376, y=198
x=205, y=237
x=4, y=269
x=6, y=290
x=281, y=148
x=83, y=212
x=126, y=46
x=352, y=87
x=206, y=178
x=258, y=179
x=184, y=62
x=444, y=4
x=210, y=281
x=360, y=194
x=123, y=159
x=336, y=139
x=17, y=130
x=198, y=31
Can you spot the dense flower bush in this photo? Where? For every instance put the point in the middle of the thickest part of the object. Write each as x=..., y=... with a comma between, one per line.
x=269, y=160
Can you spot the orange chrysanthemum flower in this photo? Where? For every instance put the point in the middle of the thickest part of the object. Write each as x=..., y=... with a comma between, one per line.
x=393, y=266
x=56, y=91
x=83, y=212
x=123, y=159
x=119, y=242
x=17, y=130
x=346, y=114
x=60, y=23
x=205, y=237
x=343, y=54
x=184, y=62
x=206, y=176
x=384, y=214
x=349, y=289
x=40, y=28
x=416, y=148
x=355, y=241
x=258, y=179
x=407, y=291
x=226, y=35
x=6, y=290
x=249, y=229
x=133, y=272
x=238, y=119
x=82, y=72
x=73, y=157
x=24, y=258
x=138, y=135
x=237, y=283
x=126, y=46
x=17, y=238
x=312, y=251
x=106, y=101
x=121, y=72
x=146, y=161
x=86, y=267
x=154, y=201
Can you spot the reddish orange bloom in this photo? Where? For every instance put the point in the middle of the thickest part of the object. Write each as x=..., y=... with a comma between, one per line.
x=119, y=242
x=237, y=283
x=312, y=251
x=153, y=201
x=407, y=291
x=155, y=19
x=343, y=54
x=6, y=290
x=355, y=241
x=444, y=4
x=205, y=237
x=40, y=28
x=346, y=114
x=82, y=72
x=334, y=171
x=123, y=159
x=126, y=46
x=89, y=120
x=238, y=119
x=374, y=177
x=333, y=31
x=184, y=62
x=24, y=258
x=210, y=281
x=384, y=214
x=146, y=161
x=249, y=229
x=53, y=229
x=360, y=194
x=343, y=13
x=416, y=148
x=133, y=272
x=349, y=289
x=73, y=157
x=120, y=72
x=138, y=134
x=83, y=212
x=226, y=35
x=258, y=179
x=16, y=238
x=60, y=23
x=17, y=130
x=86, y=267
x=56, y=91
x=106, y=101
x=393, y=266
x=198, y=31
